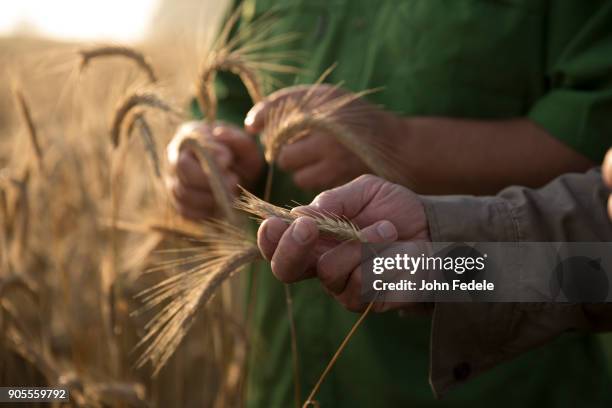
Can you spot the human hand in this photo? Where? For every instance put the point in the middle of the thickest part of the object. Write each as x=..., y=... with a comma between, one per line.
x=238, y=158
x=384, y=211
x=318, y=160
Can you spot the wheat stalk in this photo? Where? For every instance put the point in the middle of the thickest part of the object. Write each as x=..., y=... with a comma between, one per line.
x=89, y=54
x=26, y=116
x=328, y=224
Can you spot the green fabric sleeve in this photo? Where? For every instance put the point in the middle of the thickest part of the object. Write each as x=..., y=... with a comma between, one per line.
x=578, y=107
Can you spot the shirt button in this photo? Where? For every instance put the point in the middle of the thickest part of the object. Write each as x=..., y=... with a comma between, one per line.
x=462, y=371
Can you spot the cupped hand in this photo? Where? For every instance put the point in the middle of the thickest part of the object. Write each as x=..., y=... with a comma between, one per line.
x=384, y=211
x=238, y=157
x=318, y=161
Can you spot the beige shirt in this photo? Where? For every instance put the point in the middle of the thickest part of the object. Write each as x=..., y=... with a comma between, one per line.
x=470, y=338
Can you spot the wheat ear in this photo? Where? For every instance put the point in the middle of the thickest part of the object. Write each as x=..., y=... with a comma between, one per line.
x=334, y=113
x=135, y=99
x=146, y=133
x=223, y=250
x=244, y=54
x=26, y=116
x=89, y=54
x=328, y=224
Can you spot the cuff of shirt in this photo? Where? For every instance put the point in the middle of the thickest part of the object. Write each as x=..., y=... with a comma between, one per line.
x=470, y=219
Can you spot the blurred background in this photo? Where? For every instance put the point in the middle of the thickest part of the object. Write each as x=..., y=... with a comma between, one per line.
x=67, y=283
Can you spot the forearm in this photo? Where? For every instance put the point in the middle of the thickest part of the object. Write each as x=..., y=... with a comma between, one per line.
x=571, y=208
x=449, y=156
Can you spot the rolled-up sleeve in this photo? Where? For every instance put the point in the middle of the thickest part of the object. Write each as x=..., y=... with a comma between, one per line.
x=577, y=106
x=470, y=338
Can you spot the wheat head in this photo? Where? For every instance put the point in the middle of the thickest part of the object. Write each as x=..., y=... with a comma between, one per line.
x=89, y=54
x=328, y=224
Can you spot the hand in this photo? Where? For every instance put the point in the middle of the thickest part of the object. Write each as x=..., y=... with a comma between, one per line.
x=317, y=160
x=385, y=212
x=237, y=156
x=606, y=171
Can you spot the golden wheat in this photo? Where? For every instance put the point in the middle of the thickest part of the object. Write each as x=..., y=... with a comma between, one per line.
x=245, y=55
x=328, y=224
x=89, y=54
x=138, y=118
x=333, y=112
x=26, y=116
x=222, y=251
x=135, y=99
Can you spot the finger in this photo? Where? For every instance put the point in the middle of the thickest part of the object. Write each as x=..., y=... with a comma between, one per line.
x=292, y=258
x=606, y=168
x=269, y=233
x=189, y=171
x=192, y=213
x=335, y=266
x=301, y=153
x=232, y=181
x=186, y=129
x=315, y=177
x=350, y=298
x=193, y=197
x=222, y=154
x=248, y=159
x=347, y=200
x=254, y=121
x=235, y=139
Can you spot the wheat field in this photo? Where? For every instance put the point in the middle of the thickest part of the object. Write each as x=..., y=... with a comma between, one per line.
x=84, y=225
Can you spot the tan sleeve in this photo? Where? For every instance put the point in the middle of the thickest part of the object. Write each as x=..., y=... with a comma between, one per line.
x=470, y=338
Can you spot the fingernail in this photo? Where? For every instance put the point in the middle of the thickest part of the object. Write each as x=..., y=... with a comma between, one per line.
x=386, y=230
x=250, y=118
x=272, y=235
x=301, y=232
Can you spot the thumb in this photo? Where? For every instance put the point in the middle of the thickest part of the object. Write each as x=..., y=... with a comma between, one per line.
x=254, y=121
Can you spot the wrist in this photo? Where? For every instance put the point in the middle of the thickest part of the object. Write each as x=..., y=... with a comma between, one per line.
x=402, y=135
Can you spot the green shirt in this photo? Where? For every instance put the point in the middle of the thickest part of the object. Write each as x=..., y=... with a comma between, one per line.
x=547, y=60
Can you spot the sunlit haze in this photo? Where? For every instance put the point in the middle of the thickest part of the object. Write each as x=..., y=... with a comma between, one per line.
x=115, y=20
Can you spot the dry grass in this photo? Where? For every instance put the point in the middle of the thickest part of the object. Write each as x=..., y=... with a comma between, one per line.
x=141, y=60
x=331, y=111
x=222, y=251
x=78, y=323
x=74, y=326
x=134, y=100
x=26, y=115
x=244, y=54
x=328, y=224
